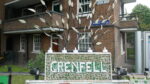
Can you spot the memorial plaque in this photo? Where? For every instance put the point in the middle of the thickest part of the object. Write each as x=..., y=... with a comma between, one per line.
x=81, y=66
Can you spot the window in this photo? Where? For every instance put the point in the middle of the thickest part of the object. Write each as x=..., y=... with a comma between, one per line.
x=56, y=6
x=39, y=8
x=85, y=41
x=22, y=42
x=99, y=2
x=84, y=6
x=36, y=43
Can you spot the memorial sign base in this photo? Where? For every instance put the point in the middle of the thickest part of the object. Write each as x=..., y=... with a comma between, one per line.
x=80, y=66
x=78, y=82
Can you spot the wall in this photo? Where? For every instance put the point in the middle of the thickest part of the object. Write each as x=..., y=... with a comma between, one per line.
x=117, y=11
x=101, y=10
x=106, y=39
x=100, y=66
x=22, y=57
x=110, y=40
x=128, y=24
x=14, y=24
x=1, y=19
x=119, y=59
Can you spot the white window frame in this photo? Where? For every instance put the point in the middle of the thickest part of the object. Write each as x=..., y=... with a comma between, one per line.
x=54, y=3
x=122, y=45
x=100, y=2
x=83, y=14
x=34, y=46
x=22, y=43
x=86, y=42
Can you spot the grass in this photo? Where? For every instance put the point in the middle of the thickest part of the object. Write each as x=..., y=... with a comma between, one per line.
x=20, y=79
x=14, y=68
x=131, y=53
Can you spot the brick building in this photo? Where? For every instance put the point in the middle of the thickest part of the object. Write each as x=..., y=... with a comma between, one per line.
x=1, y=19
x=25, y=32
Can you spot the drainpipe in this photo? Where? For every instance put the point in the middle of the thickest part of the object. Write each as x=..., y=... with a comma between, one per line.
x=122, y=8
x=138, y=51
x=51, y=39
x=27, y=48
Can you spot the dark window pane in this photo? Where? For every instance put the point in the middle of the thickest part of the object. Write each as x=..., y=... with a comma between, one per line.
x=57, y=8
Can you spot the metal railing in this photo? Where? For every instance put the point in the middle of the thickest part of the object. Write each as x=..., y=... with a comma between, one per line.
x=32, y=15
x=128, y=17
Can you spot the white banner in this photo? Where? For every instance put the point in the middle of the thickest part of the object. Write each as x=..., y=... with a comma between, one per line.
x=78, y=82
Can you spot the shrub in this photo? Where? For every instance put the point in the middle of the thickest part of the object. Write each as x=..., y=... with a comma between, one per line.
x=37, y=62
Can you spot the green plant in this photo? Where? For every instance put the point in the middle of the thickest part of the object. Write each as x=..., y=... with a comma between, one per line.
x=131, y=53
x=20, y=79
x=125, y=77
x=37, y=62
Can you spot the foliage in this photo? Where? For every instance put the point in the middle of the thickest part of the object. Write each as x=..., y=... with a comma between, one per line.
x=37, y=62
x=125, y=77
x=130, y=38
x=20, y=79
x=131, y=53
x=14, y=68
x=143, y=14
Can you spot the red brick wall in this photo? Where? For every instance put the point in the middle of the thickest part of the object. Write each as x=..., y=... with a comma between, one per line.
x=101, y=10
x=2, y=10
x=45, y=43
x=31, y=21
x=23, y=57
x=1, y=18
x=7, y=1
x=109, y=40
x=128, y=24
x=106, y=39
x=117, y=9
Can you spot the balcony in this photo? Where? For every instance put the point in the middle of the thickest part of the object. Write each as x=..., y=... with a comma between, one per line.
x=128, y=22
x=20, y=3
x=12, y=25
x=128, y=1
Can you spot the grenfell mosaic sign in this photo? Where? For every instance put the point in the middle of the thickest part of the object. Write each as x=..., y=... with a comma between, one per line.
x=81, y=66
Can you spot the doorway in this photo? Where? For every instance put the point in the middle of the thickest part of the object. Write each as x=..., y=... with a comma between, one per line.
x=55, y=47
x=146, y=51
x=9, y=44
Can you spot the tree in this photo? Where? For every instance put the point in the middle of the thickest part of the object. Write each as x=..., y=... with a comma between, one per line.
x=143, y=14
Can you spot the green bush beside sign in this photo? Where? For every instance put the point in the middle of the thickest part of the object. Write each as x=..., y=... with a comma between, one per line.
x=82, y=66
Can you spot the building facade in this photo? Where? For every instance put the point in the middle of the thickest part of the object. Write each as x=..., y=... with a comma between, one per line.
x=1, y=20
x=65, y=24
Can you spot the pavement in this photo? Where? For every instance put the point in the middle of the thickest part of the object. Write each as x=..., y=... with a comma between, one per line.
x=138, y=76
x=131, y=75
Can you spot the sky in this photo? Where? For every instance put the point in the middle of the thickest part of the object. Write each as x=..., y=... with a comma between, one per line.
x=130, y=6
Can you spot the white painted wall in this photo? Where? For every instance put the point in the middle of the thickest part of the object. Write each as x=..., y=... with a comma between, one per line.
x=142, y=43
